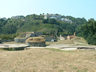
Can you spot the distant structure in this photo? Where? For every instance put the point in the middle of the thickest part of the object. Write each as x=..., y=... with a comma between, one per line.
x=69, y=37
x=57, y=17
x=66, y=20
x=52, y=16
x=45, y=17
x=36, y=41
x=25, y=35
x=61, y=37
x=50, y=39
x=17, y=17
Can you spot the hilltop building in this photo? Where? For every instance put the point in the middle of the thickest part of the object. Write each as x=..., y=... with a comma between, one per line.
x=66, y=20
x=57, y=17
x=52, y=16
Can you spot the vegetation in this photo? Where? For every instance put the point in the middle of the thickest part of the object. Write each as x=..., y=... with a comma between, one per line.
x=37, y=23
x=49, y=26
x=8, y=37
x=48, y=60
x=88, y=31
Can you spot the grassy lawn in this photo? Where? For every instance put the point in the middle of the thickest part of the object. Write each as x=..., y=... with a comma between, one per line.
x=47, y=60
x=76, y=41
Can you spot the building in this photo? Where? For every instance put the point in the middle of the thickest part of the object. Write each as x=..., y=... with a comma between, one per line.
x=50, y=39
x=25, y=35
x=57, y=17
x=66, y=20
x=61, y=37
x=36, y=42
x=52, y=16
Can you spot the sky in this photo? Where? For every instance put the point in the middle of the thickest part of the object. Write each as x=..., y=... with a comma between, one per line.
x=75, y=8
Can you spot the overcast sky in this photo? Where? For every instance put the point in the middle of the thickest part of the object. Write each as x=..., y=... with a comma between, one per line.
x=75, y=8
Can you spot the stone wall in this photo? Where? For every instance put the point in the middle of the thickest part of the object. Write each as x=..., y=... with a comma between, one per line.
x=20, y=40
x=36, y=44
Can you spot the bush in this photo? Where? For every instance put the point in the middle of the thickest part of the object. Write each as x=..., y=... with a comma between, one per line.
x=7, y=37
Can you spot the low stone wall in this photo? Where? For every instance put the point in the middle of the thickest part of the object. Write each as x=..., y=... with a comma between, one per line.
x=19, y=40
x=36, y=44
x=0, y=41
x=14, y=49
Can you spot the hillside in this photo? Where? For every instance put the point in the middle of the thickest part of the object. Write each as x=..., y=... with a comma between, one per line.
x=49, y=24
x=38, y=23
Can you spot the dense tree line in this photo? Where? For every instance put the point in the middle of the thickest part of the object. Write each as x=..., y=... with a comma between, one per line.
x=38, y=23
x=88, y=31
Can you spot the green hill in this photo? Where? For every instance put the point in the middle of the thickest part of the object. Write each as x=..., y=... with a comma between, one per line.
x=55, y=23
x=50, y=24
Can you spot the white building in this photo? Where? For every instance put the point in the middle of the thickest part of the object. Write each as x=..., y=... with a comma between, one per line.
x=57, y=17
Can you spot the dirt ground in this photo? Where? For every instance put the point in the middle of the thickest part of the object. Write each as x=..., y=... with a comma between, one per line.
x=47, y=60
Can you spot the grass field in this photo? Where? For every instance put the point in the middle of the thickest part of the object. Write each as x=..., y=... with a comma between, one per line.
x=47, y=60
x=75, y=41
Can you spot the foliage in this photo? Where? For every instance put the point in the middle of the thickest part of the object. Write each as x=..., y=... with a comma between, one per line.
x=38, y=23
x=50, y=26
x=6, y=37
x=88, y=31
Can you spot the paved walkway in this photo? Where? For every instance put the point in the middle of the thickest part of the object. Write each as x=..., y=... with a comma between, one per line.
x=12, y=45
x=58, y=46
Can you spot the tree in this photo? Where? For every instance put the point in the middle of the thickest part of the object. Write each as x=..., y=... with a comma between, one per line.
x=88, y=31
